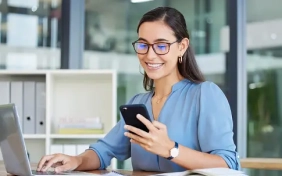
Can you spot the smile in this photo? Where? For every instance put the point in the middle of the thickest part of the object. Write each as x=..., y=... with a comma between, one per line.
x=152, y=66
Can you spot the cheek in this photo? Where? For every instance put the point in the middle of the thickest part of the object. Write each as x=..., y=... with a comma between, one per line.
x=170, y=58
x=141, y=57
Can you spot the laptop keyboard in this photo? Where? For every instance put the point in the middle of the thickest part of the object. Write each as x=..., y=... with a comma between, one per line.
x=34, y=172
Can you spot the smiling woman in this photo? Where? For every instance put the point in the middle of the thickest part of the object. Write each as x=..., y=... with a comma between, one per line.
x=190, y=124
x=170, y=41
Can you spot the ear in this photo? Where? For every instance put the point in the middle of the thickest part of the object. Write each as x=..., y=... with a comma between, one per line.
x=183, y=45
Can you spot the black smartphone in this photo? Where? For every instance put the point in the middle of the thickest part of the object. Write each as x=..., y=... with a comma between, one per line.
x=129, y=113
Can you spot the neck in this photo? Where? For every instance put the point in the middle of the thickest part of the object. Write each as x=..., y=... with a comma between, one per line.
x=164, y=85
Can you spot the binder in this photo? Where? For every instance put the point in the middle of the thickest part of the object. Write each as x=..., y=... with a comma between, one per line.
x=4, y=92
x=29, y=108
x=17, y=98
x=40, y=108
x=4, y=98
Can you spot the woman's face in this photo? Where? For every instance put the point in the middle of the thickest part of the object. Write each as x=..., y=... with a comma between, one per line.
x=158, y=60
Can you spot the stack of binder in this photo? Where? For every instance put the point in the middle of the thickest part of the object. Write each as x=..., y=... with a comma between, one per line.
x=80, y=126
x=30, y=100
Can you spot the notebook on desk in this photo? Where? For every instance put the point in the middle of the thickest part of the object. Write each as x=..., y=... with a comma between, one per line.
x=207, y=172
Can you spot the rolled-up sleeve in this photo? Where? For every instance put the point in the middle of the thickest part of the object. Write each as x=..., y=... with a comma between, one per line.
x=113, y=145
x=215, y=125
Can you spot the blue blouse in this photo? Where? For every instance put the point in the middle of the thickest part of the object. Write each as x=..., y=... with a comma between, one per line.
x=197, y=116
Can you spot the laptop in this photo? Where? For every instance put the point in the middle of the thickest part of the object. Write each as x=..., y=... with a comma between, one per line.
x=13, y=147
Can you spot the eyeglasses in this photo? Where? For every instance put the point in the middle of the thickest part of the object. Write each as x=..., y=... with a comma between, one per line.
x=159, y=48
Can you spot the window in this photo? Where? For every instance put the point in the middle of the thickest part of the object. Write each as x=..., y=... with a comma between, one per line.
x=28, y=31
x=264, y=63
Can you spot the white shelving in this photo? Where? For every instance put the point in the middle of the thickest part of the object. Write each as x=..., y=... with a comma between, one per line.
x=77, y=136
x=34, y=136
x=70, y=94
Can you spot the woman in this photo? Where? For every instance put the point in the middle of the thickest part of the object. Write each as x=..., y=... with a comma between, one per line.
x=192, y=123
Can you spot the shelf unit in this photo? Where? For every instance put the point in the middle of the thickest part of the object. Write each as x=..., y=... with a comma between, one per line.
x=70, y=94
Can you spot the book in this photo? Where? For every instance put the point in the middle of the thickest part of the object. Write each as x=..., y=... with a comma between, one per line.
x=207, y=172
x=80, y=131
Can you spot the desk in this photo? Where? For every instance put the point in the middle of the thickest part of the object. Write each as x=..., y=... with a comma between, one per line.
x=262, y=163
x=250, y=163
x=133, y=173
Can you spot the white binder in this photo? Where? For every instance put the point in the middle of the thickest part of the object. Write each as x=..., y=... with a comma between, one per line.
x=40, y=108
x=17, y=98
x=4, y=92
x=29, y=108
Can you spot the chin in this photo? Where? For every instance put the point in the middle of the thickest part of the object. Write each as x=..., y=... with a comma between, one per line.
x=154, y=76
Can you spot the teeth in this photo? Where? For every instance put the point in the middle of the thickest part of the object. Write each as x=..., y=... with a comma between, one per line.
x=155, y=65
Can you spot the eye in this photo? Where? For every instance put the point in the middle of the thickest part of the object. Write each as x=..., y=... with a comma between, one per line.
x=161, y=46
x=141, y=46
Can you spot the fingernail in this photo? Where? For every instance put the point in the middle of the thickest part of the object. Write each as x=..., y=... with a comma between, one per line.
x=138, y=115
x=57, y=170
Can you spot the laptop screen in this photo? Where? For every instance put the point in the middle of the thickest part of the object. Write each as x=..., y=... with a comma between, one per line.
x=12, y=142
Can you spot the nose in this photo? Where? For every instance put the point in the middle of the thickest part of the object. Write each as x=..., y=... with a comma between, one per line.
x=151, y=53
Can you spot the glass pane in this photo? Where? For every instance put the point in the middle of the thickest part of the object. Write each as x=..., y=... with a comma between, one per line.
x=29, y=34
x=264, y=44
x=110, y=30
x=205, y=20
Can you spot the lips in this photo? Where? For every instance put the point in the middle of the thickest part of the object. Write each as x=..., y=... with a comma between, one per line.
x=154, y=66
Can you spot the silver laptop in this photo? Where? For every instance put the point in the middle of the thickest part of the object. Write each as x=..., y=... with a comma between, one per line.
x=13, y=147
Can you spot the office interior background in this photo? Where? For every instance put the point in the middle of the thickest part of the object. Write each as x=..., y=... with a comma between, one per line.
x=97, y=34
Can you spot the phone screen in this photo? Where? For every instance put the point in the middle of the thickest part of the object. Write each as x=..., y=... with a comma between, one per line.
x=129, y=113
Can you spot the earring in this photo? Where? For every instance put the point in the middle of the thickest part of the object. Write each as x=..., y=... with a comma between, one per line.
x=180, y=59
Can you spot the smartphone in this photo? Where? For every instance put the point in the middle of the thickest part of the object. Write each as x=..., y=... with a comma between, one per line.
x=129, y=113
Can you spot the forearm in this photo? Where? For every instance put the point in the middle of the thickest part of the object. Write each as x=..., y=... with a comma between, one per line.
x=89, y=160
x=192, y=159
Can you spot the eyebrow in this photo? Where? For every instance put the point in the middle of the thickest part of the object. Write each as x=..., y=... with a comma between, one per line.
x=157, y=40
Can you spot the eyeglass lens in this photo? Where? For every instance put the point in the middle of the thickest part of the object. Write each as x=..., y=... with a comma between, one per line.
x=159, y=48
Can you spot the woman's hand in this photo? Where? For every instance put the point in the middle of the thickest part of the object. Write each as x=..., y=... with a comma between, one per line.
x=60, y=162
x=156, y=141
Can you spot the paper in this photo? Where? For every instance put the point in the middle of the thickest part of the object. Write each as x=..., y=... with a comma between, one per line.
x=22, y=30
x=85, y=173
x=184, y=173
x=23, y=3
x=218, y=171
x=207, y=172
x=112, y=174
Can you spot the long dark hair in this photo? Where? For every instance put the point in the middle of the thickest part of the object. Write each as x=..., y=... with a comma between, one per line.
x=188, y=68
